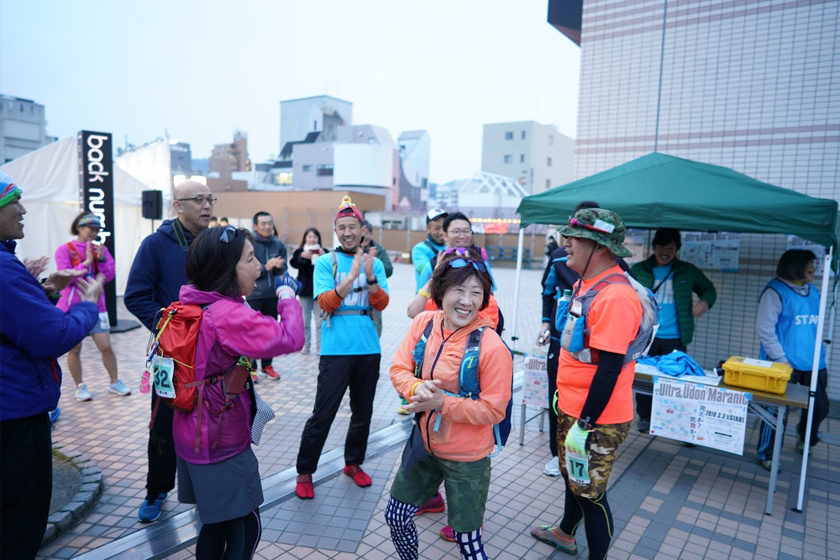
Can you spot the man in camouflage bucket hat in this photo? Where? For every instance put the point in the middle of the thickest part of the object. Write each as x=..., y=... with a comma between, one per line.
x=602, y=226
x=594, y=385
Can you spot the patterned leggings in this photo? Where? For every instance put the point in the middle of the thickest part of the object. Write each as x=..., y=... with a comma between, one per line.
x=400, y=518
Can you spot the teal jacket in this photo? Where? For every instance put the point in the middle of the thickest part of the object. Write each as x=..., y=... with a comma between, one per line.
x=687, y=278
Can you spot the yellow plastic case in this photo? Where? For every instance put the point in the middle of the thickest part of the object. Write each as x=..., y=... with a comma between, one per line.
x=760, y=375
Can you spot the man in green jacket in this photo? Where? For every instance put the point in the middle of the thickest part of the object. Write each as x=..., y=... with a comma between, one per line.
x=672, y=282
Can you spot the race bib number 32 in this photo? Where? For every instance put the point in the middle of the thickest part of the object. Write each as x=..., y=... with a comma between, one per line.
x=162, y=371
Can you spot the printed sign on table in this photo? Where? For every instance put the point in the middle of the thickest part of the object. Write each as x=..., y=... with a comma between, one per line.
x=535, y=381
x=700, y=414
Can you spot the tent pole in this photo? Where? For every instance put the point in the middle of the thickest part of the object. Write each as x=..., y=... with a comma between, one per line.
x=815, y=368
x=519, y=246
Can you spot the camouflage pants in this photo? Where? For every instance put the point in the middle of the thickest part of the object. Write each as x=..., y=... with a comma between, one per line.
x=466, y=484
x=601, y=448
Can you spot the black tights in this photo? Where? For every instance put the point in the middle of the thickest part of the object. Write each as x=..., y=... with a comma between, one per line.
x=597, y=519
x=235, y=539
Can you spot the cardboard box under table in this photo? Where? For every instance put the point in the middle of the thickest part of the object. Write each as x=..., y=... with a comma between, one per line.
x=761, y=404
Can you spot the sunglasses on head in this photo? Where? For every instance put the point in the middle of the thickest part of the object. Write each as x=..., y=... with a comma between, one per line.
x=461, y=263
x=606, y=228
x=459, y=250
x=228, y=234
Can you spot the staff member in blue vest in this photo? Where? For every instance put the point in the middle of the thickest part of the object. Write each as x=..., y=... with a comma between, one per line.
x=786, y=324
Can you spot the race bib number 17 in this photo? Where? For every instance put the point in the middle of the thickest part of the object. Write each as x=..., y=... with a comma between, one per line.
x=162, y=371
x=577, y=467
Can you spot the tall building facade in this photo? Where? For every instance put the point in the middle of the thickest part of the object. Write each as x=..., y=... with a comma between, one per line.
x=23, y=127
x=754, y=86
x=320, y=113
x=537, y=156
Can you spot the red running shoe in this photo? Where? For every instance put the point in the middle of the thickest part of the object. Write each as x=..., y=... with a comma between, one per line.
x=360, y=477
x=304, y=488
x=435, y=505
x=269, y=371
x=447, y=534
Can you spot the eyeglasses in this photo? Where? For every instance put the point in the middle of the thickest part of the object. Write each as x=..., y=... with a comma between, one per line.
x=461, y=263
x=200, y=200
x=228, y=234
x=459, y=232
x=600, y=225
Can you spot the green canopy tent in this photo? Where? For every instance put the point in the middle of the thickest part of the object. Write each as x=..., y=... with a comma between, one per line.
x=659, y=190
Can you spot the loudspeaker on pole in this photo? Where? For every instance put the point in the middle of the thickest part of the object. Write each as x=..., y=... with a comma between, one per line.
x=153, y=205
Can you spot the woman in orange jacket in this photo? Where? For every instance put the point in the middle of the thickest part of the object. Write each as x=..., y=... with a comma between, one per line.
x=457, y=433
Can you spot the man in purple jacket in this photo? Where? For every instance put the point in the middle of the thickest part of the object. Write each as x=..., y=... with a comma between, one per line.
x=33, y=333
x=156, y=277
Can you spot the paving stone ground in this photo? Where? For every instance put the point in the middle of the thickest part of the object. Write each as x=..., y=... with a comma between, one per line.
x=668, y=501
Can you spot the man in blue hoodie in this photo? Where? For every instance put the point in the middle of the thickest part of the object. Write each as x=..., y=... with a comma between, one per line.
x=33, y=333
x=155, y=279
x=271, y=252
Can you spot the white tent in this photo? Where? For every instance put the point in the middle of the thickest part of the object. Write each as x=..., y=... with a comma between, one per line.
x=49, y=178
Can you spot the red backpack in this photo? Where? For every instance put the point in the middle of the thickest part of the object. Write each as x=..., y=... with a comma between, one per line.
x=177, y=337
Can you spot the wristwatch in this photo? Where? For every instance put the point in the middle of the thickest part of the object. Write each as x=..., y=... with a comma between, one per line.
x=373, y=281
x=584, y=425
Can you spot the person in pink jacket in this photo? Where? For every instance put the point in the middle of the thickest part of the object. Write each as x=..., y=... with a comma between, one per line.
x=217, y=470
x=457, y=433
x=84, y=253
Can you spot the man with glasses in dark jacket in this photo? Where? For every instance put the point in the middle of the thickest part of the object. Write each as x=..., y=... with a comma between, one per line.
x=155, y=280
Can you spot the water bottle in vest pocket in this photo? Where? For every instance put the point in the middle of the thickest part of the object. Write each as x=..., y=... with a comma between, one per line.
x=572, y=335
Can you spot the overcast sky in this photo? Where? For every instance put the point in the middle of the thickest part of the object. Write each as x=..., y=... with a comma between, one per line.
x=203, y=69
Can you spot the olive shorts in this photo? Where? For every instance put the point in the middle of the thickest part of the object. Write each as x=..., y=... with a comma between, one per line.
x=466, y=484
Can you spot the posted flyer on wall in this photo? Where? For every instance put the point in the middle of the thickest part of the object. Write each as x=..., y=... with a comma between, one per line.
x=699, y=414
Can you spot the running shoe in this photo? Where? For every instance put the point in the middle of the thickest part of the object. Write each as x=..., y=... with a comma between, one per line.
x=270, y=373
x=119, y=388
x=150, y=509
x=552, y=468
x=82, y=393
x=447, y=534
x=435, y=505
x=552, y=536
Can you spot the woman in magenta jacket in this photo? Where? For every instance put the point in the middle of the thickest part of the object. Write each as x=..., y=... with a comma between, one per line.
x=84, y=253
x=217, y=470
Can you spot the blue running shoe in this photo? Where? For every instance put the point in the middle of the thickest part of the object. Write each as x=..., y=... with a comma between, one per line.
x=54, y=414
x=150, y=510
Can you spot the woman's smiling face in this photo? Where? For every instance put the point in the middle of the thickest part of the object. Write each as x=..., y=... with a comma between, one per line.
x=461, y=303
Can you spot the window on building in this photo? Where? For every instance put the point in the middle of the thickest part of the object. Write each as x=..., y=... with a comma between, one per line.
x=547, y=184
x=548, y=162
x=521, y=158
x=307, y=168
x=550, y=139
x=508, y=158
x=284, y=178
x=325, y=169
x=523, y=135
x=509, y=135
